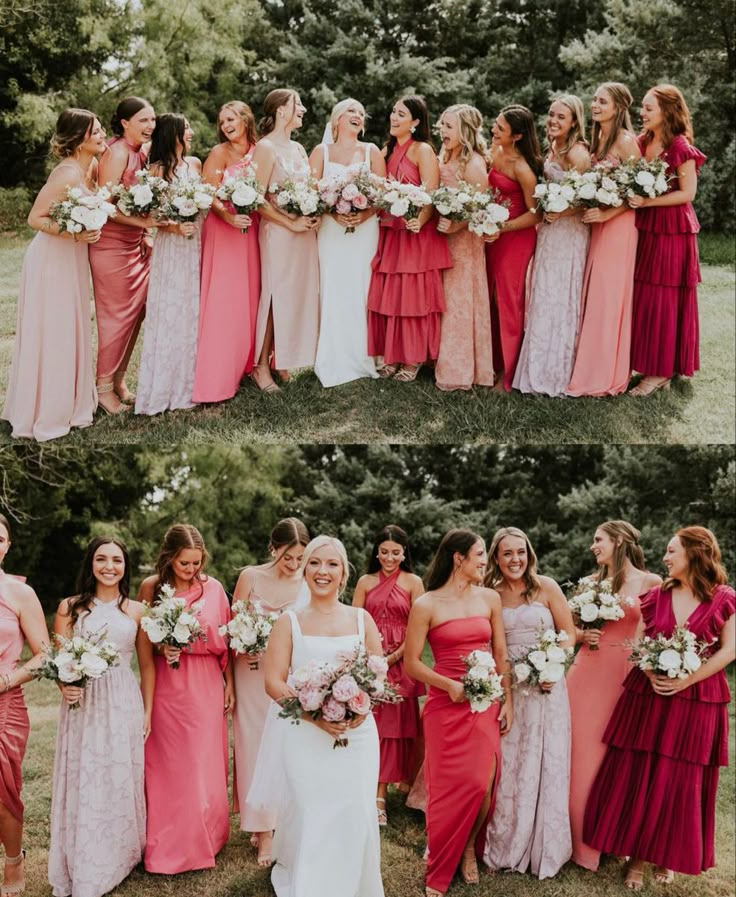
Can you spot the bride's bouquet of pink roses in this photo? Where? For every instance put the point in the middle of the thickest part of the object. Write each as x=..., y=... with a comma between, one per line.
x=339, y=691
x=354, y=191
x=248, y=631
x=78, y=660
x=402, y=200
x=594, y=603
x=171, y=622
x=143, y=198
x=676, y=656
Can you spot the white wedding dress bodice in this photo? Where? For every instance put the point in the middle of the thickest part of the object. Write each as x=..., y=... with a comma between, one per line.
x=327, y=840
x=345, y=275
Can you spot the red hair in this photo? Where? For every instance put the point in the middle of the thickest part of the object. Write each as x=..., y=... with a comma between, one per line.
x=704, y=567
x=676, y=118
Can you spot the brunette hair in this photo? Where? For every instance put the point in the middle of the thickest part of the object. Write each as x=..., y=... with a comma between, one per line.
x=126, y=109
x=271, y=105
x=391, y=533
x=705, y=570
x=469, y=125
x=335, y=543
x=73, y=127
x=626, y=540
x=521, y=121
x=6, y=523
x=676, y=118
x=622, y=100
x=288, y=532
x=245, y=113
x=576, y=133
x=442, y=565
x=494, y=577
x=170, y=130
x=87, y=583
x=177, y=538
x=337, y=111
x=417, y=107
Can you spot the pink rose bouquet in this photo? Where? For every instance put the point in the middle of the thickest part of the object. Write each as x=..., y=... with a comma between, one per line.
x=354, y=191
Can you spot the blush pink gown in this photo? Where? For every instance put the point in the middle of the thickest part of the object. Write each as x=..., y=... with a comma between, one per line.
x=14, y=725
x=186, y=752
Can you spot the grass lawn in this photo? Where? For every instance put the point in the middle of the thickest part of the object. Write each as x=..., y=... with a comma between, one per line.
x=237, y=874
x=699, y=411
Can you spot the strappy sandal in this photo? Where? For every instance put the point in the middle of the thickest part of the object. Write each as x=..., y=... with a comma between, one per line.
x=270, y=386
x=108, y=389
x=125, y=395
x=634, y=880
x=663, y=875
x=469, y=867
x=264, y=859
x=408, y=375
x=382, y=815
x=648, y=387
x=19, y=886
x=388, y=370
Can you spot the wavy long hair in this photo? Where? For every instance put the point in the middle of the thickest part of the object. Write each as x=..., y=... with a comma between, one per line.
x=442, y=564
x=626, y=547
x=176, y=539
x=494, y=577
x=705, y=570
x=167, y=142
x=87, y=583
x=245, y=114
x=469, y=126
x=391, y=533
x=622, y=100
x=521, y=122
x=417, y=107
x=576, y=134
x=675, y=115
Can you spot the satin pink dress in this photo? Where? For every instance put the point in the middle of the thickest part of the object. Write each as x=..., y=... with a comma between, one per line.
x=186, y=752
x=14, y=724
x=119, y=278
x=228, y=304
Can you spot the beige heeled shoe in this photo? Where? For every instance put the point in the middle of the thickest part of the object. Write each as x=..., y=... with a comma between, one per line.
x=19, y=886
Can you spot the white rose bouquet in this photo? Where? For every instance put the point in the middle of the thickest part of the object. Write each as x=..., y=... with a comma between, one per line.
x=78, y=660
x=402, y=200
x=637, y=177
x=597, y=187
x=481, y=682
x=82, y=211
x=675, y=657
x=339, y=691
x=593, y=603
x=454, y=203
x=299, y=198
x=243, y=192
x=546, y=662
x=354, y=191
x=248, y=630
x=488, y=213
x=186, y=198
x=555, y=196
x=171, y=622
x=143, y=198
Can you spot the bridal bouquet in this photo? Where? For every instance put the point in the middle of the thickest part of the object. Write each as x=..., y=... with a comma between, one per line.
x=243, y=192
x=545, y=662
x=675, y=657
x=81, y=210
x=637, y=177
x=144, y=197
x=481, y=682
x=555, y=196
x=488, y=213
x=454, y=203
x=300, y=198
x=354, y=191
x=170, y=622
x=593, y=603
x=402, y=200
x=339, y=691
x=597, y=187
x=248, y=631
x=78, y=660
x=186, y=198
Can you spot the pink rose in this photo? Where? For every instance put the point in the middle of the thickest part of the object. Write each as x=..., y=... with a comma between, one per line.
x=350, y=191
x=343, y=207
x=360, y=202
x=311, y=698
x=345, y=688
x=360, y=704
x=333, y=711
x=378, y=665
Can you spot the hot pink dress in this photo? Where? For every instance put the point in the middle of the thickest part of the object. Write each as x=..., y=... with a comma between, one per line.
x=398, y=724
x=507, y=260
x=119, y=278
x=228, y=304
x=594, y=685
x=654, y=797
x=460, y=747
x=186, y=752
x=406, y=298
x=664, y=340
x=14, y=725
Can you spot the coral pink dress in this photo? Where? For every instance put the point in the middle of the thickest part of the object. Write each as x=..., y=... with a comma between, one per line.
x=186, y=752
x=466, y=346
x=460, y=747
x=507, y=260
x=594, y=685
x=398, y=724
x=228, y=304
x=664, y=339
x=119, y=278
x=654, y=797
x=406, y=298
x=14, y=725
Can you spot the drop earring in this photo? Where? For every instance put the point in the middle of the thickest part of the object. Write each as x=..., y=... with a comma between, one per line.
x=412, y=129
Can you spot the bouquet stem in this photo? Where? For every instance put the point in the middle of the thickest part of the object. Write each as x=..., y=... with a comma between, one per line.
x=340, y=742
x=253, y=665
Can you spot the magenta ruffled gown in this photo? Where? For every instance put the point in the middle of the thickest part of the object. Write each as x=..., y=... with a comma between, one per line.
x=664, y=338
x=654, y=797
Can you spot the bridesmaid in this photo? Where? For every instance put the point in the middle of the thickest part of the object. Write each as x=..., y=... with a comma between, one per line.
x=654, y=798
x=530, y=826
x=345, y=258
x=288, y=313
x=231, y=267
x=21, y=620
x=98, y=807
x=664, y=338
x=601, y=664
x=51, y=386
x=120, y=258
x=166, y=370
x=465, y=356
x=602, y=361
x=186, y=754
x=516, y=165
x=406, y=299
x=547, y=353
x=388, y=591
x=273, y=587
x=463, y=756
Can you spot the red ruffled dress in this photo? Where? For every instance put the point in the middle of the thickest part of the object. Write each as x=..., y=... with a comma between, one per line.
x=654, y=797
x=406, y=298
x=665, y=325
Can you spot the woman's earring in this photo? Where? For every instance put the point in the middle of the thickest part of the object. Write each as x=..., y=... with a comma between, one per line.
x=412, y=129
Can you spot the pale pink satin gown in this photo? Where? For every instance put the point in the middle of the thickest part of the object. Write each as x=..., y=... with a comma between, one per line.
x=14, y=725
x=186, y=752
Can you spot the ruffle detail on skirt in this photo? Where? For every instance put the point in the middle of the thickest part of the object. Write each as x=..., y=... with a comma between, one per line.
x=404, y=340
x=407, y=295
x=404, y=252
x=667, y=260
x=665, y=331
x=668, y=220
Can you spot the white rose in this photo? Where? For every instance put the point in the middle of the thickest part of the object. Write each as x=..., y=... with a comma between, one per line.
x=522, y=671
x=669, y=661
x=399, y=208
x=181, y=633
x=691, y=661
x=244, y=196
x=95, y=219
x=142, y=194
x=553, y=672
x=187, y=208
x=283, y=199
x=660, y=184
x=202, y=200
x=567, y=191
x=249, y=635
x=92, y=665
x=538, y=659
x=443, y=208
x=557, y=204
x=549, y=635
x=588, y=613
x=75, y=193
x=540, y=190
x=484, y=659
x=645, y=179
x=480, y=705
x=608, y=184
x=154, y=629
x=556, y=654
x=586, y=597
x=478, y=673
x=309, y=205
x=586, y=190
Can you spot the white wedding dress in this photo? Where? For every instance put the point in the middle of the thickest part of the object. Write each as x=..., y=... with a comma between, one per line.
x=344, y=275
x=327, y=841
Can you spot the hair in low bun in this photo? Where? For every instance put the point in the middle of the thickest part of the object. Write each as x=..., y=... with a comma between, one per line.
x=273, y=102
x=126, y=109
x=72, y=128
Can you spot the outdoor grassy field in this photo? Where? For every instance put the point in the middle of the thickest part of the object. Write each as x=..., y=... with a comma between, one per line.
x=403, y=842
x=699, y=411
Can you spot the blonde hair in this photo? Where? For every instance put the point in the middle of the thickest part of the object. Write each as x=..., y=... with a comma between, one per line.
x=494, y=577
x=576, y=133
x=333, y=542
x=469, y=125
x=337, y=111
x=622, y=100
x=245, y=114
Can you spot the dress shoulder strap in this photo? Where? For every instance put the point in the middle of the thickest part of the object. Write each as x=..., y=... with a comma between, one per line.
x=368, y=156
x=326, y=151
x=296, y=630
x=361, y=625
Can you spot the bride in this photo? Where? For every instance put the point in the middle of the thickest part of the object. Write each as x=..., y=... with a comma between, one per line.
x=326, y=839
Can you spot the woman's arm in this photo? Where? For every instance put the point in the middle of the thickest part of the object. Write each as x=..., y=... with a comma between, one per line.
x=687, y=185
x=501, y=656
x=429, y=173
x=33, y=626
x=227, y=675
x=54, y=190
x=317, y=161
x=278, y=659
x=63, y=626
x=244, y=585
x=718, y=661
x=527, y=181
x=361, y=587
x=144, y=652
x=560, y=610
x=420, y=619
